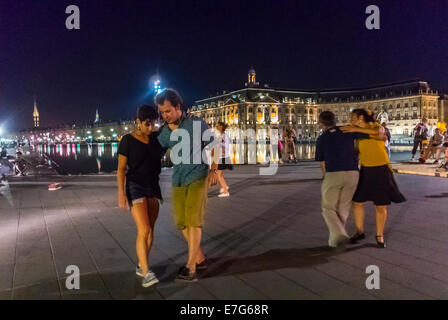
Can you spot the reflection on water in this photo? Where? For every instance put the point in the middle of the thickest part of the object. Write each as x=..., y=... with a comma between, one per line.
x=68, y=150
x=240, y=153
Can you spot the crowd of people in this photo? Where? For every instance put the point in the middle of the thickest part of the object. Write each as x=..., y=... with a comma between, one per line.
x=354, y=160
x=436, y=145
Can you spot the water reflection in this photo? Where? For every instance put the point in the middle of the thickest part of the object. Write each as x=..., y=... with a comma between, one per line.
x=240, y=153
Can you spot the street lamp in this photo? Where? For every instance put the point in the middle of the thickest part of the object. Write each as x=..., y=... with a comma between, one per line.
x=157, y=86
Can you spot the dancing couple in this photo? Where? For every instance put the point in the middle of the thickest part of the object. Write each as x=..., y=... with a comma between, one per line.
x=340, y=150
x=139, y=167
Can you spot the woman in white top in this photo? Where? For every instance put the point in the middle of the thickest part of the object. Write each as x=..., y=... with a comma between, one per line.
x=225, y=162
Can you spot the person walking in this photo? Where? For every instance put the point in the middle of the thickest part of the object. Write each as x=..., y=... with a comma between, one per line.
x=376, y=181
x=139, y=166
x=191, y=176
x=290, y=147
x=388, y=136
x=420, y=134
x=224, y=162
x=338, y=159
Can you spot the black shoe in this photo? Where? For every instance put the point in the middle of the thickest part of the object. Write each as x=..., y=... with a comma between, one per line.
x=380, y=244
x=201, y=266
x=357, y=236
x=185, y=275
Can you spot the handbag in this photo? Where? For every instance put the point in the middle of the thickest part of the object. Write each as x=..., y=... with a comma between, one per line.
x=280, y=145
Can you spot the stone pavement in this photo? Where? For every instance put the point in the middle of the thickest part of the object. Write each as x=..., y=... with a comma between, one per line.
x=427, y=169
x=267, y=241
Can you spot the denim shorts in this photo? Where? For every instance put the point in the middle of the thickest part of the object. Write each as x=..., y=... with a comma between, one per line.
x=136, y=193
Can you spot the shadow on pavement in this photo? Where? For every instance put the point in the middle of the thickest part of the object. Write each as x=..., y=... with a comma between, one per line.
x=442, y=195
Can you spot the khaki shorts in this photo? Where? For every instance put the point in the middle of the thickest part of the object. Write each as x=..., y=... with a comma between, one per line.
x=189, y=204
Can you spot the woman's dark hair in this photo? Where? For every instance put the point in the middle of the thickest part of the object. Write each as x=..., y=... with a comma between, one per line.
x=147, y=112
x=327, y=118
x=368, y=116
x=224, y=126
x=170, y=95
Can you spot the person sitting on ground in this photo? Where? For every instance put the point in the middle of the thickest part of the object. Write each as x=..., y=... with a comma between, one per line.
x=444, y=149
x=20, y=165
x=434, y=146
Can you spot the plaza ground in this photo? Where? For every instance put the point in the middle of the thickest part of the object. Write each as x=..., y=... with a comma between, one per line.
x=267, y=241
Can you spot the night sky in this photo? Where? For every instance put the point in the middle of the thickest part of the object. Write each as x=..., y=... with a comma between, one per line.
x=201, y=47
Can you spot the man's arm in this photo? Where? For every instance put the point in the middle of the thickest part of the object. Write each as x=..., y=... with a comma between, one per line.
x=377, y=133
x=369, y=131
x=322, y=167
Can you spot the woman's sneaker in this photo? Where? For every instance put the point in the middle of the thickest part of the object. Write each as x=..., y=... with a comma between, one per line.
x=223, y=195
x=139, y=272
x=149, y=280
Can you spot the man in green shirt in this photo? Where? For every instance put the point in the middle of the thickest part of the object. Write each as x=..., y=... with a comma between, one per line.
x=191, y=175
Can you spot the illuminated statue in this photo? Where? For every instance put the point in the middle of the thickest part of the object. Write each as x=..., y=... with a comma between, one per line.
x=383, y=117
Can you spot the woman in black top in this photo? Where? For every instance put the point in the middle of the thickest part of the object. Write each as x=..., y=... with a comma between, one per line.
x=139, y=165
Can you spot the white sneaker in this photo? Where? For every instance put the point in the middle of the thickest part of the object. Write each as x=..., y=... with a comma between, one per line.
x=149, y=280
x=222, y=195
x=222, y=190
x=54, y=187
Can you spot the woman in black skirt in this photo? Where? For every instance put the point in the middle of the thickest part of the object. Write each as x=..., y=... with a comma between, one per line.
x=225, y=163
x=376, y=180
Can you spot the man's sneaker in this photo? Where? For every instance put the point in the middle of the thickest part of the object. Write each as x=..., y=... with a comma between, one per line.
x=223, y=195
x=149, y=280
x=185, y=275
x=54, y=187
x=357, y=236
x=201, y=266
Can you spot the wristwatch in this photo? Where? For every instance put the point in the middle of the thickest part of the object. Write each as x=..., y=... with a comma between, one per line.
x=214, y=170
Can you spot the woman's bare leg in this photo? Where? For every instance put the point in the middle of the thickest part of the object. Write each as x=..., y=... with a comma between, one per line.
x=153, y=213
x=222, y=182
x=140, y=214
x=358, y=212
x=381, y=216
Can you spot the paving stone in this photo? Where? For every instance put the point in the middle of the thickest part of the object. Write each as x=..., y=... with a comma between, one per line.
x=181, y=291
x=41, y=291
x=5, y=294
x=267, y=241
x=6, y=276
x=223, y=288
x=274, y=286
x=91, y=287
x=29, y=255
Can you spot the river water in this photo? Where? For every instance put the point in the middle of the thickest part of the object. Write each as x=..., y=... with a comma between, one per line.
x=103, y=157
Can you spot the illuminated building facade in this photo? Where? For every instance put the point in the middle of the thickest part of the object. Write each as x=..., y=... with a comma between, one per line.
x=401, y=105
